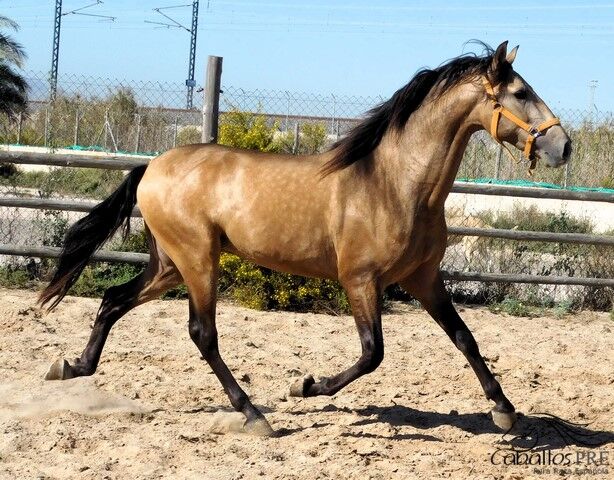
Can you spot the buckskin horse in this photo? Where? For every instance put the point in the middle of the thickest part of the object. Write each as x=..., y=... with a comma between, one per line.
x=369, y=212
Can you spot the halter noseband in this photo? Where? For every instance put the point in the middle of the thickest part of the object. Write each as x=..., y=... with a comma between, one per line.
x=533, y=131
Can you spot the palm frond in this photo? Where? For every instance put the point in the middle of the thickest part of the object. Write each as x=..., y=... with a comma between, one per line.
x=13, y=91
x=11, y=51
x=7, y=22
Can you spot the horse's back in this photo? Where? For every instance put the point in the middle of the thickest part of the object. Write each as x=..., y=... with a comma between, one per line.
x=273, y=209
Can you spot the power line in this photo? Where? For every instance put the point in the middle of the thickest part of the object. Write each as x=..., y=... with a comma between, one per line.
x=193, y=30
x=57, y=27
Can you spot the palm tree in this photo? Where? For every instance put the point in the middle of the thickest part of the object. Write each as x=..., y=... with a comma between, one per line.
x=13, y=87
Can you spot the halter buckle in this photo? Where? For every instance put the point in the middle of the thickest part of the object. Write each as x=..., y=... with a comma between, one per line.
x=535, y=132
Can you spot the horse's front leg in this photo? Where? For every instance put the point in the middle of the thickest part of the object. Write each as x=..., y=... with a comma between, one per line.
x=365, y=301
x=429, y=289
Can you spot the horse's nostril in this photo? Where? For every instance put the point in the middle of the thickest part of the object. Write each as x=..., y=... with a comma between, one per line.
x=567, y=150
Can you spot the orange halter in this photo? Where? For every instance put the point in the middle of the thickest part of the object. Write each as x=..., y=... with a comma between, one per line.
x=533, y=131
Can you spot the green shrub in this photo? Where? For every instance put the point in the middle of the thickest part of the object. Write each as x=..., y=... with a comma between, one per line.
x=82, y=182
x=607, y=182
x=264, y=289
x=312, y=139
x=247, y=130
x=135, y=242
x=15, y=276
x=511, y=306
x=97, y=278
x=521, y=217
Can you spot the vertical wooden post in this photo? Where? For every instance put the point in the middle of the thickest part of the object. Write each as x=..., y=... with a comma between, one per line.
x=211, y=105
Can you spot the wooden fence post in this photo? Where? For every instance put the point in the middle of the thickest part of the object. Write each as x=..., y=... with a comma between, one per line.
x=211, y=105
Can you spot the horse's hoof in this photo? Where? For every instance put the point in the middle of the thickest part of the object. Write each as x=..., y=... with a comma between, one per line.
x=504, y=420
x=60, y=370
x=259, y=427
x=300, y=387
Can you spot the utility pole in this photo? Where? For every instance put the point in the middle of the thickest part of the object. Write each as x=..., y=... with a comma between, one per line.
x=57, y=27
x=55, y=52
x=190, y=82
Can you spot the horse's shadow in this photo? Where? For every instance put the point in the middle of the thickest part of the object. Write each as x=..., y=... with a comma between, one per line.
x=531, y=432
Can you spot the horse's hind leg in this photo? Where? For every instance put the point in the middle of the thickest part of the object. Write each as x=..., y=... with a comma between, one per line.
x=201, y=280
x=430, y=290
x=365, y=300
x=159, y=275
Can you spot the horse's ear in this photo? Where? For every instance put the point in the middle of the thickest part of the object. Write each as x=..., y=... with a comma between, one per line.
x=510, y=57
x=499, y=64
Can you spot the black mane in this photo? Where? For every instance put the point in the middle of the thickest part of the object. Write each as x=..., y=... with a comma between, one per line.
x=394, y=113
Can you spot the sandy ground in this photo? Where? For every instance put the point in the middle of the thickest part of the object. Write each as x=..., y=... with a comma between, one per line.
x=154, y=409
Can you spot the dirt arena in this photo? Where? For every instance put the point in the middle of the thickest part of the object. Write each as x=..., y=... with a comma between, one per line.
x=155, y=410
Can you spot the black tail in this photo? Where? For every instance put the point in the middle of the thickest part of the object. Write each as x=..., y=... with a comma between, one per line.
x=88, y=234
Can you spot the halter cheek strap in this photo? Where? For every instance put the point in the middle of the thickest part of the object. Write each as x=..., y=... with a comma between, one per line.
x=533, y=132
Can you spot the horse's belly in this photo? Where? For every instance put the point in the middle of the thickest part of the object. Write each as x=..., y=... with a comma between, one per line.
x=282, y=244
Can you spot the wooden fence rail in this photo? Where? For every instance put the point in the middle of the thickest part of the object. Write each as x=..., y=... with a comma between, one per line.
x=105, y=162
x=143, y=258
x=129, y=162
x=54, y=252
x=520, y=235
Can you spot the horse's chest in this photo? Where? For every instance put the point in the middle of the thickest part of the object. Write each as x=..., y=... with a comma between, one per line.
x=405, y=251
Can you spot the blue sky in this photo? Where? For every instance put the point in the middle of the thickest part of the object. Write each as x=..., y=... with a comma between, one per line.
x=345, y=47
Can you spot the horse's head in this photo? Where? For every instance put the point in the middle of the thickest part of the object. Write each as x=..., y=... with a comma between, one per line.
x=514, y=113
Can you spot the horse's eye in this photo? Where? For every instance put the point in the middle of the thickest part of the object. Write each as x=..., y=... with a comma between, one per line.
x=521, y=94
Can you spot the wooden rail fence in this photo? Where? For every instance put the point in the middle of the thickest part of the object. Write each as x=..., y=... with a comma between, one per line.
x=129, y=162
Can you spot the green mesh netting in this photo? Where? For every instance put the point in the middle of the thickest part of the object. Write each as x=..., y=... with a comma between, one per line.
x=527, y=183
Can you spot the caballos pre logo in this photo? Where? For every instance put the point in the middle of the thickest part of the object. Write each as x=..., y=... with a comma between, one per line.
x=581, y=462
x=541, y=442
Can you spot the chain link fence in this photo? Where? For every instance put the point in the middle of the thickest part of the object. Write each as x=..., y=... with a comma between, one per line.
x=147, y=118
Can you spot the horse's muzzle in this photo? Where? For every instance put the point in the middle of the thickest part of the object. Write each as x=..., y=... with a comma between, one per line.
x=554, y=148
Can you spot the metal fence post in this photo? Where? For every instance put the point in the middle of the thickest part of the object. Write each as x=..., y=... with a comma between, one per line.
x=332, y=120
x=567, y=175
x=297, y=135
x=137, y=143
x=498, y=164
x=287, y=110
x=211, y=106
x=19, y=127
x=76, y=139
x=175, y=132
x=47, y=126
x=106, y=129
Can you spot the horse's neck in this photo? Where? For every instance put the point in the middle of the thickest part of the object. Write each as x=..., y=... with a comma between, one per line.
x=423, y=160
